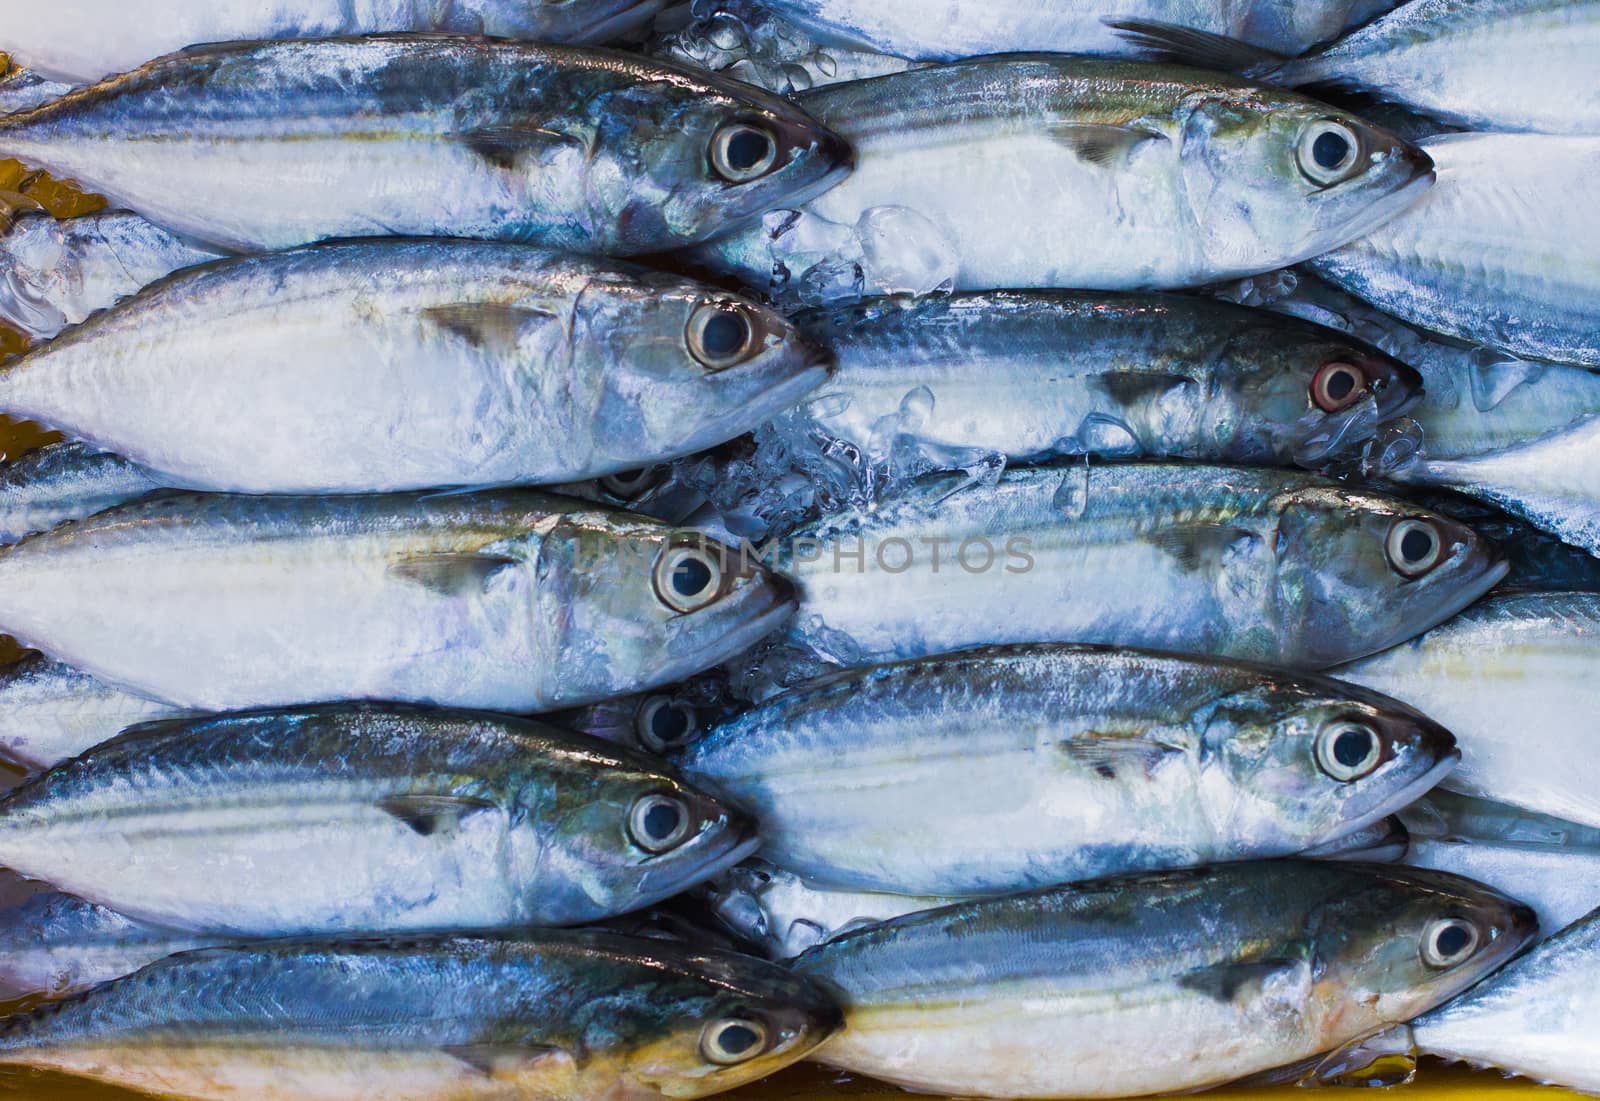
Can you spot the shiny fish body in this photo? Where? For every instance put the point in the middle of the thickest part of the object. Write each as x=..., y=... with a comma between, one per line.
x=51, y=485
x=1501, y=252
x=1042, y=374
x=410, y=365
x=1534, y=1019
x=561, y=1016
x=996, y=172
x=1513, y=679
x=1210, y=975
x=947, y=29
x=54, y=944
x=1271, y=566
x=1055, y=763
x=509, y=600
x=56, y=272
x=363, y=819
x=254, y=146
x=50, y=712
x=1500, y=65
x=51, y=40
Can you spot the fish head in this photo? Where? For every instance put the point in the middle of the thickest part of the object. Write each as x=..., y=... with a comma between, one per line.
x=709, y=1021
x=678, y=161
x=1399, y=941
x=1274, y=178
x=633, y=604
x=1358, y=572
x=1309, y=760
x=684, y=367
x=1306, y=394
x=660, y=722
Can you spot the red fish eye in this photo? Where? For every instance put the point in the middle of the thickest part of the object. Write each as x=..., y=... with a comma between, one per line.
x=1337, y=386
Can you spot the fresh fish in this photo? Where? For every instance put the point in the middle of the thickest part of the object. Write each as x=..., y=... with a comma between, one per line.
x=663, y=721
x=57, y=272
x=1209, y=975
x=1551, y=864
x=409, y=365
x=1514, y=65
x=943, y=29
x=1231, y=562
x=999, y=172
x=21, y=90
x=1513, y=679
x=50, y=712
x=51, y=40
x=511, y=600
x=51, y=485
x=1384, y=841
x=1052, y=373
x=1499, y=254
x=252, y=146
x=562, y=1016
x=366, y=818
x=54, y=944
x=997, y=770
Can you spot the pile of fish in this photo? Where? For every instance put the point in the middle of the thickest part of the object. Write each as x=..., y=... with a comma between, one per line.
x=602, y=548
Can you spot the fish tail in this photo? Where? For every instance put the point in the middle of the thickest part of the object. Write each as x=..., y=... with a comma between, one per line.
x=1202, y=48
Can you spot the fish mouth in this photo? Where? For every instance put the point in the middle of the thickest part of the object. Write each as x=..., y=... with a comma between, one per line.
x=1403, y=798
x=741, y=836
x=1385, y=209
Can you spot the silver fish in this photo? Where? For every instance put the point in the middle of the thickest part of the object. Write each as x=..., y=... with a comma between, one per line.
x=48, y=486
x=561, y=1016
x=57, y=272
x=410, y=365
x=1234, y=562
x=1513, y=679
x=1210, y=975
x=997, y=770
x=663, y=721
x=510, y=600
x=994, y=172
x=1038, y=374
x=577, y=149
x=1499, y=253
x=1383, y=842
x=50, y=712
x=21, y=90
x=365, y=818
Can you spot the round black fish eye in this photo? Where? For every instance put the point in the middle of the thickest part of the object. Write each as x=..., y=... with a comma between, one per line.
x=1414, y=547
x=665, y=724
x=722, y=335
x=743, y=151
x=1448, y=941
x=1348, y=751
x=688, y=578
x=1337, y=386
x=658, y=823
x=1328, y=152
x=629, y=484
x=733, y=1040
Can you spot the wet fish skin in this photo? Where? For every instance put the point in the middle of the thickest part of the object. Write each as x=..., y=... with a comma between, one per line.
x=48, y=486
x=578, y=149
x=1035, y=374
x=992, y=172
x=57, y=272
x=50, y=712
x=363, y=819
x=1272, y=566
x=1055, y=763
x=1382, y=842
x=411, y=365
x=1258, y=965
x=510, y=600
x=1497, y=254
x=568, y=1016
x=1512, y=678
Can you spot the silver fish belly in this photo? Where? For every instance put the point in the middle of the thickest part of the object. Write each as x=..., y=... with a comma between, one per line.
x=50, y=712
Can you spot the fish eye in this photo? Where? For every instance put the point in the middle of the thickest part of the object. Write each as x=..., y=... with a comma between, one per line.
x=1348, y=751
x=658, y=823
x=629, y=484
x=733, y=1040
x=743, y=151
x=1414, y=547
x=1448, y=941
x=688, y=578
x=1328, y=152
x=1337, y=386
x=665, y=724
x=722, y=335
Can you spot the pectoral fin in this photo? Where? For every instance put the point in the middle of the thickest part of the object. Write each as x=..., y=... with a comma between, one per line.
x=503, y=146
x=1105, y=145
x=1111, y=755
x=458, y=575
x=428, y=815
x=502, y=1060
x=1227, y=981
x=1204, y=546
x=491, y=326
